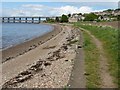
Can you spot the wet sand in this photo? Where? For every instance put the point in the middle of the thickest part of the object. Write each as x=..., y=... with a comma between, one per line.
x=45, y=64
x=22, y=48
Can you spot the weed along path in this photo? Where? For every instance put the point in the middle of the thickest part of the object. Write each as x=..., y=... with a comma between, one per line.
x=106, y=78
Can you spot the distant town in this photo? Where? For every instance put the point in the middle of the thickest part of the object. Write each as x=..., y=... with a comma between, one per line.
x=106, y=15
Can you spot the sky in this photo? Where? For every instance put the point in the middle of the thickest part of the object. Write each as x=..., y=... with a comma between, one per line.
x=19, y=8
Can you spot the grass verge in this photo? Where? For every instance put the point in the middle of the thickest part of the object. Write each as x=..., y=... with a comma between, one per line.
x=109, y=38
x=91, y=63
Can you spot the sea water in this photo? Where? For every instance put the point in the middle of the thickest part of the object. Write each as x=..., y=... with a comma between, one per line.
x=16, y=33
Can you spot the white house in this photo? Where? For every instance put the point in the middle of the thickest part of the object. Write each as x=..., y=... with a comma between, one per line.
x=106, y=18
x=72, y=20
x=75, y=18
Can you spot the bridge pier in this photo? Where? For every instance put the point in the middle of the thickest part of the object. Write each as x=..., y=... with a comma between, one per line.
x=26, y=20
x=8, y=20
x=19, y=20
x=39, y=20
x=2, y=19
x=13, y=19
x=32, y=20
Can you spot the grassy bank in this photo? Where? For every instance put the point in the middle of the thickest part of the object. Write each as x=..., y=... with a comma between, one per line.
x=91, y=63
x=109, y=38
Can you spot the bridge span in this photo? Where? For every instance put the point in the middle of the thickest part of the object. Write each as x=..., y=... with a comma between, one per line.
x=23, y=19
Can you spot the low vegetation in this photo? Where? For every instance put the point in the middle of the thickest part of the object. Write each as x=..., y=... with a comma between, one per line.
x=91, y=63
x=50, y=20
x=109, y=38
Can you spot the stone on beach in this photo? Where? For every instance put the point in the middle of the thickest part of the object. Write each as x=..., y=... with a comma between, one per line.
x=52, y=67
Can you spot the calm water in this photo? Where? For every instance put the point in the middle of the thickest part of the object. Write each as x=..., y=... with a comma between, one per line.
x=13, y=33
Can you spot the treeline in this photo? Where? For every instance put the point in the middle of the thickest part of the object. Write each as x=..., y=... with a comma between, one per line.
x=106, y=15
x=62, y=19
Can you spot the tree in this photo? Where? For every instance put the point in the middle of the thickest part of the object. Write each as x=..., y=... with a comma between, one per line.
x=69, y=15
x=57, y=19
x=64, y=18
x=109, y=10
x=90, y=17
x=79, y=14
x=118, y=9
x=118, y=17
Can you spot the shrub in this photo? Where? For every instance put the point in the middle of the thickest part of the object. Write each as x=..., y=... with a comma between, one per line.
x=64, y=18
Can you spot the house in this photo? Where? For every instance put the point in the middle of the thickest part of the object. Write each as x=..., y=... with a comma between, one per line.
x=71, y=19
x=76, y=17
x=81, y=18
x=116, y=12
x=105, y=18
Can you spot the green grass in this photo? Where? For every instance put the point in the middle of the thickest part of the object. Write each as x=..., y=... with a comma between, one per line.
x=109, y=38
x=91, y=63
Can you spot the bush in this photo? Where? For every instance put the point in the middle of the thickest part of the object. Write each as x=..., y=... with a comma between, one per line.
x=118, y=17
x=50, y=20
x=90, y=17
x=57, y=19
x=64, y=18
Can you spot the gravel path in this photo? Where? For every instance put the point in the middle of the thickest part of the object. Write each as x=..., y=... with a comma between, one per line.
x=77, y=79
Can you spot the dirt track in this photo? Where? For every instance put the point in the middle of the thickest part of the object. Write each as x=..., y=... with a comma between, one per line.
x=107, y=79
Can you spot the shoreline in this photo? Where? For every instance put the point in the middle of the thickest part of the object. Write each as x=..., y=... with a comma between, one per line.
x=28, y=45
x=27, y=40
x=47, y=66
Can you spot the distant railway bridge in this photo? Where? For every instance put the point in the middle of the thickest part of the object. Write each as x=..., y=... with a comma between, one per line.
x=24, y=19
